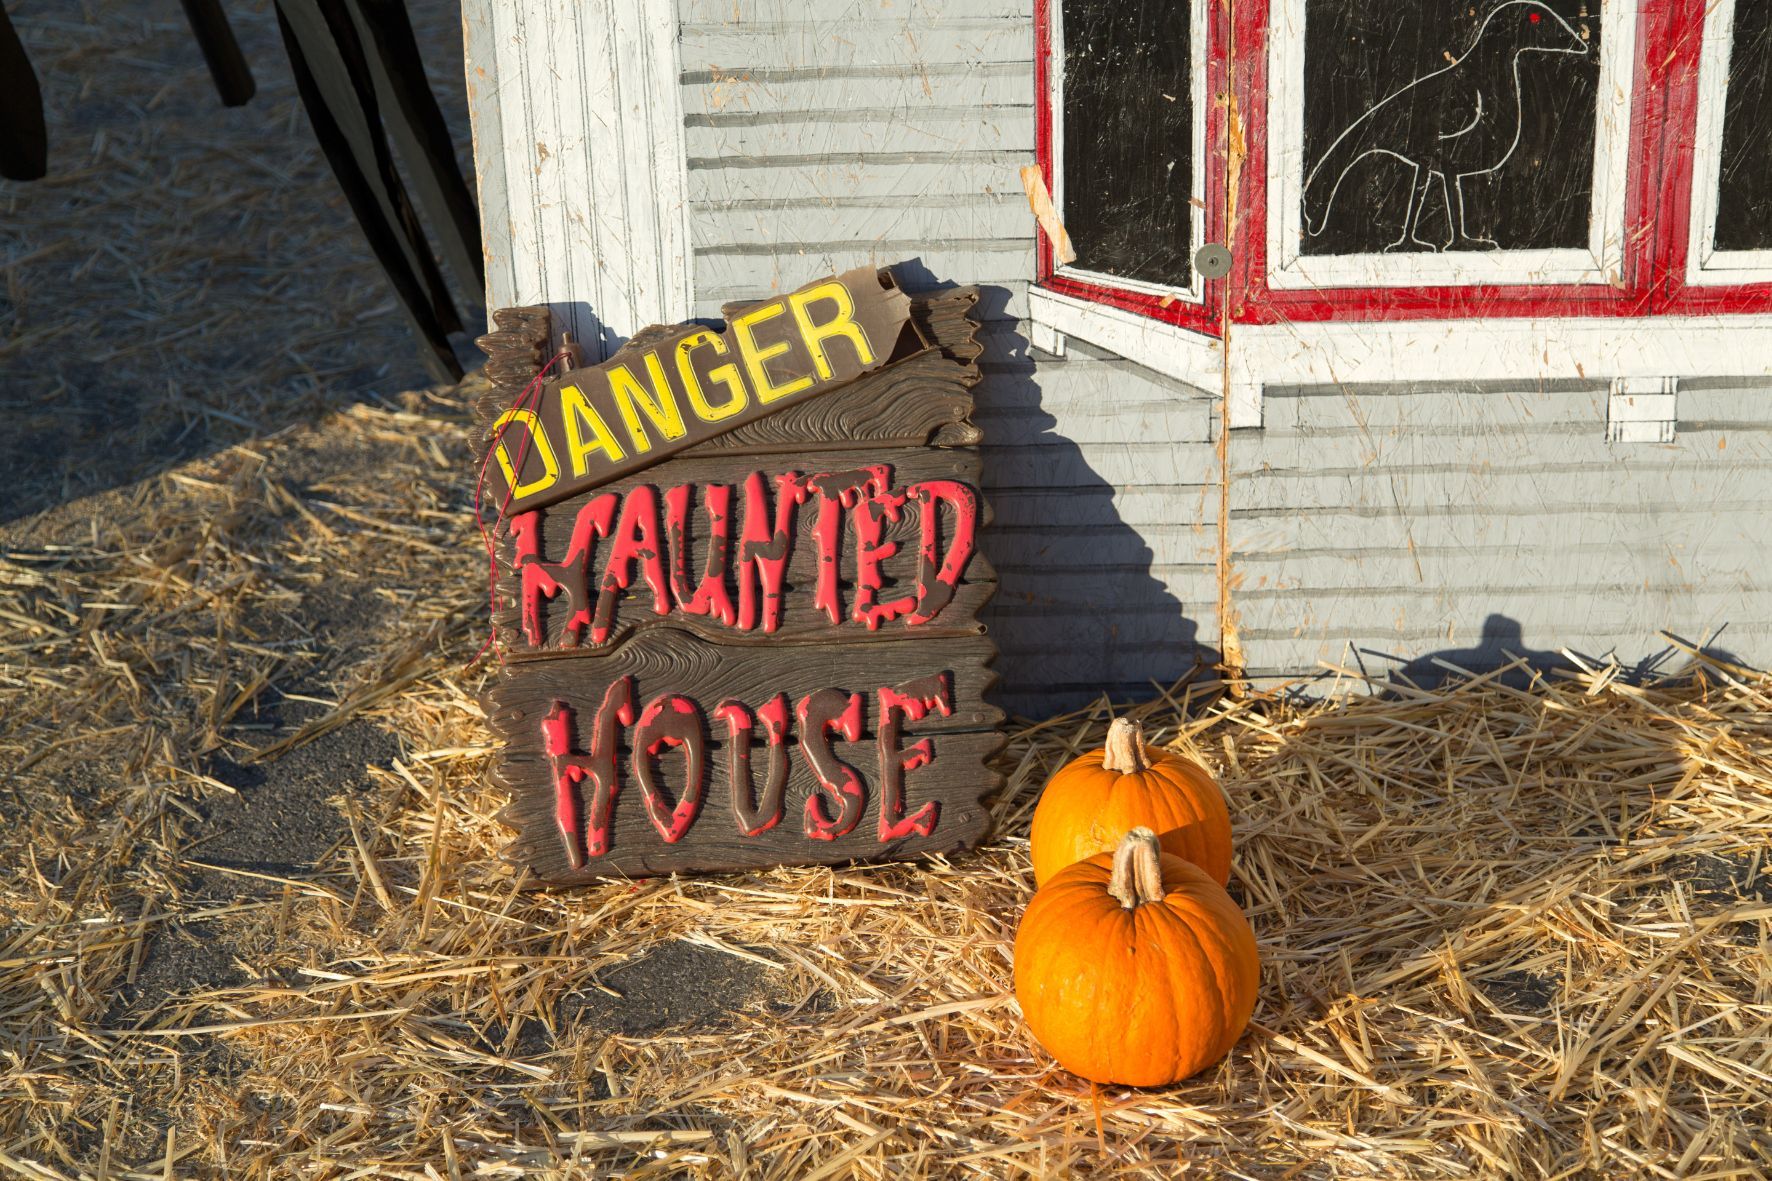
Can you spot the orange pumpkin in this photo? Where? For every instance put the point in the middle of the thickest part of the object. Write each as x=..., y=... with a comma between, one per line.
x=1092, y=802
x=1135, y=967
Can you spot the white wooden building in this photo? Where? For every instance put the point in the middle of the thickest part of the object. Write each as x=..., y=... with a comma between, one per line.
x=1483, y=393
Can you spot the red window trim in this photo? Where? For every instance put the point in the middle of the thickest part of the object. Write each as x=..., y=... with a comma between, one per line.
x=1658, y=198
x=1201, y=316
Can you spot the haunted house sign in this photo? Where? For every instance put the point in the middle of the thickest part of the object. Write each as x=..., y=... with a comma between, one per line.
x=737, y=588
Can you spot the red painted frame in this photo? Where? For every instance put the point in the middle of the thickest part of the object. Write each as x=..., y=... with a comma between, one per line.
x=1658, y=197
x=1204, y=316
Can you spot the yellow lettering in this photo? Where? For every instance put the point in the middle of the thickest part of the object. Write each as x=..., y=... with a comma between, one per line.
x=660, y=406
x=842, y=324
x=538, y=446
x=767, y=390
x=726, y=375
x=581, y=417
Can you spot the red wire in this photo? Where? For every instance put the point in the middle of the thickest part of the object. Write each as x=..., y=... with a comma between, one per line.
x=531, y=392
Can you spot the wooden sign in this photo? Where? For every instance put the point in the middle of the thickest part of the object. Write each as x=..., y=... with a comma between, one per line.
x=687, y=385
x=755, y=642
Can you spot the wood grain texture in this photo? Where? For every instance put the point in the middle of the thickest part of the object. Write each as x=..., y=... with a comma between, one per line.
x=907, y=405
x=667, y=662
x=515, y=349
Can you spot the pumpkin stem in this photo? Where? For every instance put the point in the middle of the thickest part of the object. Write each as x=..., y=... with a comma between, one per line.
x=1124, y=751
x=1138, y=869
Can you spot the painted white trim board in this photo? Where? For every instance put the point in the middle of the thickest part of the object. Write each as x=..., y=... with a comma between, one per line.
x=1519, y=349
x=579, y=146
x=1192, y=358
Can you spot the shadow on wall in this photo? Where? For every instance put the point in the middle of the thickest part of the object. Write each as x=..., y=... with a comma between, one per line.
x=598, y=341
x=1501, y=642
x=1078, y=611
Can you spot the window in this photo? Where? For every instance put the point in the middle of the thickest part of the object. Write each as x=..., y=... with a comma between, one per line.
x=1124, y=148
x=1732, y=154
x=1129, y=141
x=1409, y=189
x=1447, y=142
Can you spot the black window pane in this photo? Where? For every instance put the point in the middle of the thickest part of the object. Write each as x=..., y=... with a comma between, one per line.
x=1744, y=198
x=1128, y=137
x=1447, y=124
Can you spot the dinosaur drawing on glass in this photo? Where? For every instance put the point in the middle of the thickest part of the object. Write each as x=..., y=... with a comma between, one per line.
x=1461, y=121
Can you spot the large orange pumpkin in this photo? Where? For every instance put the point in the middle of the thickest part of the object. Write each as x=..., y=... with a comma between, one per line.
x=1092, y=802
x=1135, y=967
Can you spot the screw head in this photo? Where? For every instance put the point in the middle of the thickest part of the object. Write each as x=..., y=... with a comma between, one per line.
x=1212, y=261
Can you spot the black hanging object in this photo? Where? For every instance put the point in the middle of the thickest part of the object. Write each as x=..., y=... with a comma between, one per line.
x=415, y=123
x=24, y=143
x=332, y=77
x=227, y=65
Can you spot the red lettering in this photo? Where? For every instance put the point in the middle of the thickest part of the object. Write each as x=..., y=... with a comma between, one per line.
x=645, y=544
x=756, y=814
x=938, y=579
x=827, y=712
x=764, y=548
x=638, y=538
x=671, y=721
x=871, y=552
x=544, y=580
x=914, y=700
x=709, y=597
x=598, y=767
x=837, y=491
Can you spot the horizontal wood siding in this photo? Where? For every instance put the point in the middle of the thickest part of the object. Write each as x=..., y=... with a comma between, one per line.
x=1387, y=525
x=825, y=134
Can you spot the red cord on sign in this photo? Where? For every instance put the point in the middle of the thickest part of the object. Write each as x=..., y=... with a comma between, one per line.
x=524, y=401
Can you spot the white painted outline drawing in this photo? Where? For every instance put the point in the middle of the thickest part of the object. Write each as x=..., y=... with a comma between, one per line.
x=1390, y=127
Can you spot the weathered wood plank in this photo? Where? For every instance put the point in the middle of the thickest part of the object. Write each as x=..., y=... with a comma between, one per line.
x=606, y=246
x=1036, y=426
x=745, y=134
x=880, y=19
x=1481, y=525
x=1057, y=547
x=908, y=405
x=666, y=662
x=980, y=86
x=1693, y=558
x=826, y=175
x=672, y=388
x=1123, y=464
x=809, y=43
x=1192, y=506
x=965, y=216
